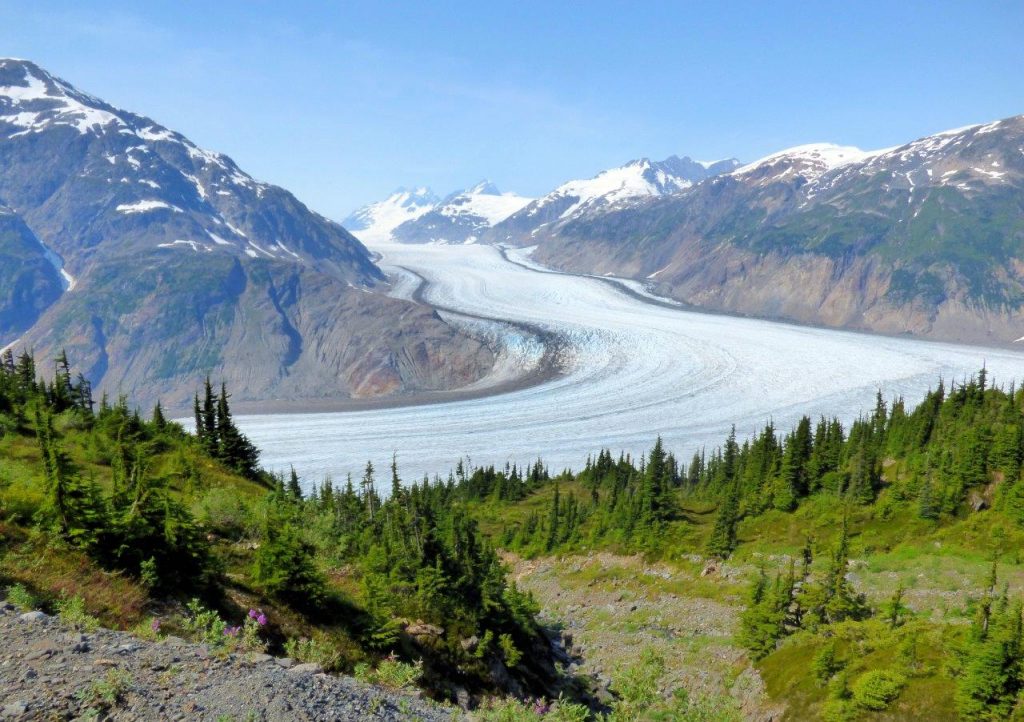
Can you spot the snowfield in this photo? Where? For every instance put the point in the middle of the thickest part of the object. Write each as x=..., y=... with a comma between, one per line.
x=634, y=370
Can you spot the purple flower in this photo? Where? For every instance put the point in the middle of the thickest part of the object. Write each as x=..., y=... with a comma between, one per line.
x=541, y=707
x=231, y=631
x=155, y=625
x=253, y=614
x=262, y=619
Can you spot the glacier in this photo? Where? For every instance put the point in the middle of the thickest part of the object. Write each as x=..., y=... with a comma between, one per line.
x=633, y=369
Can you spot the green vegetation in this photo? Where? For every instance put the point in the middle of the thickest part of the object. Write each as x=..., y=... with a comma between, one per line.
x=105, y=515
x=872, y=548
x=881, y=561
x=391, y=672
x=71, y=611
x=106, y=693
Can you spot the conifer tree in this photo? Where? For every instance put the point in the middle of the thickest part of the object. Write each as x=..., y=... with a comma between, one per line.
x=367, y=486
x=294, y=488
x=200, y=426
x=723, y=536
x=553, y=530
x=927, y=507
x=159, y=420
x=209, y=414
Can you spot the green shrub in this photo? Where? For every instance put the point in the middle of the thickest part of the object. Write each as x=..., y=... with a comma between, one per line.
x=205, y=624
x=508, y=650
x=223, y=512
x=876, y=689
x=315, y=649
x=20, y=501
x=71, y=611
x=107, y=692
x=512, y=710
x=826, y=663
x=391, y=672
x=22, y=598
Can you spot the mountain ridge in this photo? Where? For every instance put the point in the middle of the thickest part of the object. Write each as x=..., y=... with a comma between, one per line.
x=922, y=239
x=181, y=262
x=457, y=218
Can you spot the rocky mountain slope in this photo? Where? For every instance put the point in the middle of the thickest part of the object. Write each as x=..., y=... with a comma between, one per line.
x=616, y=188
x=926, y=238
x=155, y=262
x=462, y=217
x=49, y=670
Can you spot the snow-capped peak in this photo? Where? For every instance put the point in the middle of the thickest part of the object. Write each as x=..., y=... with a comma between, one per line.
x=32, y=99
x=483, y=188
x=816, y=158
x=374, y=222
x=636, y=179
x=483, y=201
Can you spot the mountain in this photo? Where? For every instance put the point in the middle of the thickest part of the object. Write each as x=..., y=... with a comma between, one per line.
x=29, y=278
x=632, y=183
x=462, y=217
x=375, y=222
x=926, y=238
x=155, y=262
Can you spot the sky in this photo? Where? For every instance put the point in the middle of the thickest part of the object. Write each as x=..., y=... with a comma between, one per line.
x=342, y=102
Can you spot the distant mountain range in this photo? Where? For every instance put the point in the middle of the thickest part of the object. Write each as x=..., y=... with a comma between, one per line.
x=483, y=213
x=926, y=238
x=155, y=262
x=421, y=217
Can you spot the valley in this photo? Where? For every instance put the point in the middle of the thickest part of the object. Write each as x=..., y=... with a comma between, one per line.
x=630, y=370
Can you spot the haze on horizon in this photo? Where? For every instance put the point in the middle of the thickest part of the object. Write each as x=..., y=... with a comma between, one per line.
x=340, y=105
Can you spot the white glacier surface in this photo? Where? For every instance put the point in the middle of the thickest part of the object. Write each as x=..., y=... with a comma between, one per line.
x=634, y=370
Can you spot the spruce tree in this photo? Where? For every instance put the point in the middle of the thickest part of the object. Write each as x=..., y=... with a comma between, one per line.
x=209, y=415
x=159, y=420
x=723, y=536
x=294, y=488
x=553, y=527
x=927, y=507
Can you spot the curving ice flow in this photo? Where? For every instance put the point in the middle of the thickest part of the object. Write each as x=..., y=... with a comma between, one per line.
x=633, y=370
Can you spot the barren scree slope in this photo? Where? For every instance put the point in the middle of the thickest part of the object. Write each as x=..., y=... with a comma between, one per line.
x=633, y=370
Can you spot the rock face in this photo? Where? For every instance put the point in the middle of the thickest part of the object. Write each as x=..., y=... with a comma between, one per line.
x=925, y=239
x=50, y=671
x=29, y=283
x=155, y=262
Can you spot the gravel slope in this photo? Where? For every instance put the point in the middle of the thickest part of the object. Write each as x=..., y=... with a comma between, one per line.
x=47, y=671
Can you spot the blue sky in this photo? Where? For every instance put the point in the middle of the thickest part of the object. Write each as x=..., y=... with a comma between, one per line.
x=341, y=102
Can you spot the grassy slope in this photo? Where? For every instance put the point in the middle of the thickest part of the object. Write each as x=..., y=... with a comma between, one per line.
x=618, y=604
x=50, y=568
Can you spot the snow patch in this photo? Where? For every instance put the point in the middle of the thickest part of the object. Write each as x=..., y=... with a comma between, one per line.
x=155, y=134
x=237, y=231
x=146, y=206
x=199, y=186
x=67, y=281
x=218, y=240
x=194, y=245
